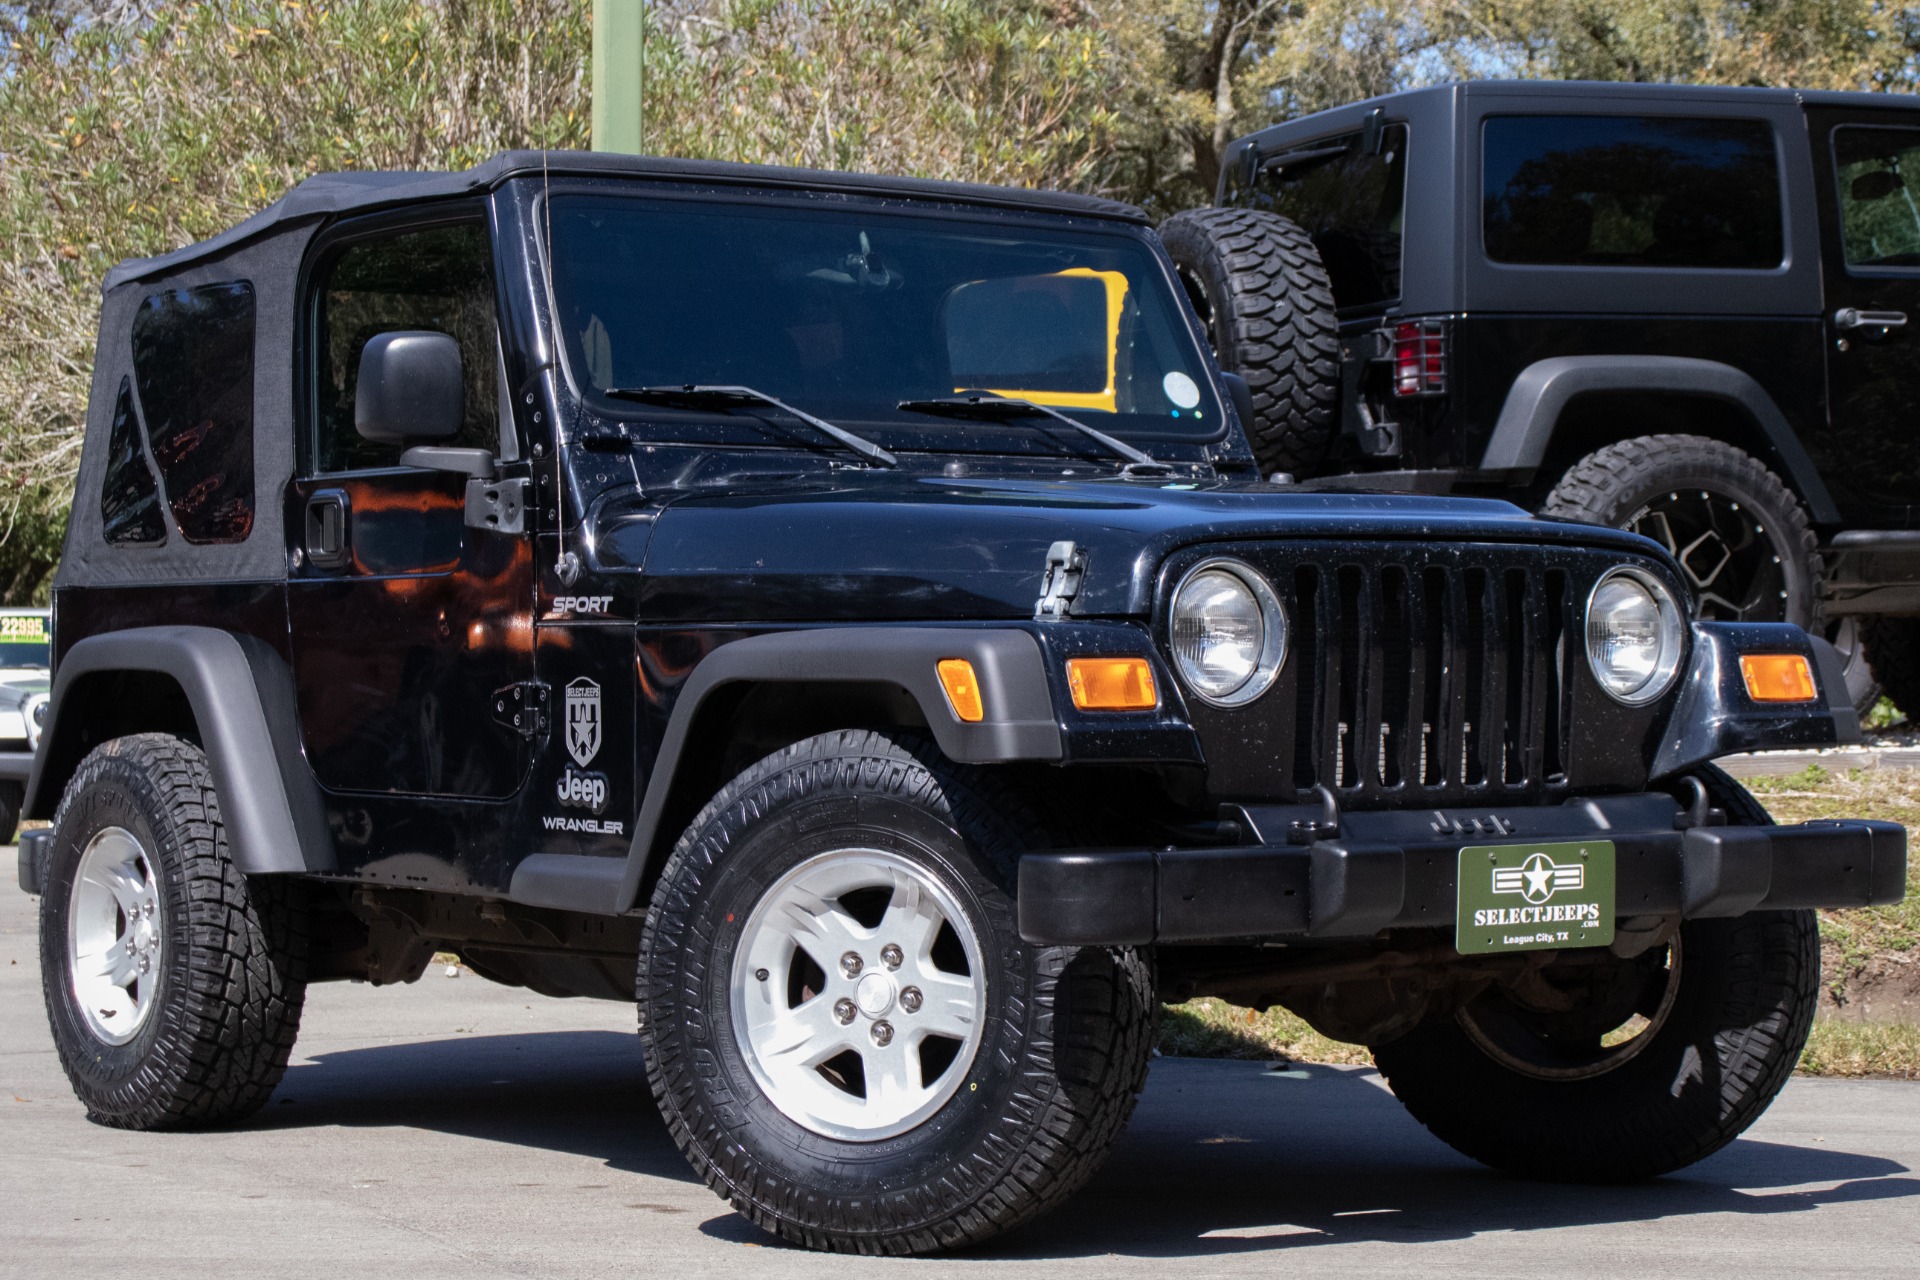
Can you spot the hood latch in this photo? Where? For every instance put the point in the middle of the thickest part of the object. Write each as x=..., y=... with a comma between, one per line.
x=1066, y=565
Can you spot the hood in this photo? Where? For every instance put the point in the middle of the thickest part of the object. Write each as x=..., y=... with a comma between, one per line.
x=876, y=547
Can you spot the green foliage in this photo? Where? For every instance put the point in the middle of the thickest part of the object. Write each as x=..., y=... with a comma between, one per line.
x=130, y=127
x=131, y=134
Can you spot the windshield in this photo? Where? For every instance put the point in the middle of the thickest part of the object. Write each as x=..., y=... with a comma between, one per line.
x=846, y=313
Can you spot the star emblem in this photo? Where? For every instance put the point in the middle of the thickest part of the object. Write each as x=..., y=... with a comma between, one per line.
x=1537, y=871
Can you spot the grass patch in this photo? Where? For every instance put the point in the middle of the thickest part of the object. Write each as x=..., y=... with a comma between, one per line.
x=1209, y=1028
x=1862, y=1049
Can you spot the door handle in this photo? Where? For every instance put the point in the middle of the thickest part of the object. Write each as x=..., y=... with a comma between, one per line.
x=1855, y=318
x=326, y=532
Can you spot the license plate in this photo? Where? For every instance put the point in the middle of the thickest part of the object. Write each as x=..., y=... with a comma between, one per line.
x=1530, y=897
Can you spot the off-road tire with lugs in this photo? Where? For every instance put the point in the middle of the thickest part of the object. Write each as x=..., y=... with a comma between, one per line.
x=233, y=969
x=1067, y=1032
x=1259, y=286
x=1749, y=987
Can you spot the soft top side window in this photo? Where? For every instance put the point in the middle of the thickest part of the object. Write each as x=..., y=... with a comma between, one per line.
x=1631, y=191
x=1350, y=201
x=438, y=278
x=193, y=372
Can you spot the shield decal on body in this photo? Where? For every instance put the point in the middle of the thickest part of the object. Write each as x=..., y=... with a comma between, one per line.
x=583, y=721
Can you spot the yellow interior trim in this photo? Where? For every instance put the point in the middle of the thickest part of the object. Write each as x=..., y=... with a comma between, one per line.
x=1106, y=401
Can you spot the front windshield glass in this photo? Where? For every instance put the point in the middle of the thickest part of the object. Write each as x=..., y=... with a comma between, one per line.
x=845, y=313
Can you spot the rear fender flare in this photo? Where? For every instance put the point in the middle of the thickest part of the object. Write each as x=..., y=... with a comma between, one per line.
x=242, y=697
x=1543, y=390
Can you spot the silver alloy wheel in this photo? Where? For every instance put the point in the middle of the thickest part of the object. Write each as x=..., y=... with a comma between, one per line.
x=857, y=994
x=114, y=935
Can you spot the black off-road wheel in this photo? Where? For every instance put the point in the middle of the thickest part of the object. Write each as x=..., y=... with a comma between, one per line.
x=1742, y=538
x=1259, y=287
x=842, y=1027
x=173, y=983
x=1893, y=646
x=1628, y=1070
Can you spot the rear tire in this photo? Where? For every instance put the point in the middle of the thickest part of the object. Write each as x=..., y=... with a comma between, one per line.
x=1257, y=282
x=769, y=1062
x=1893, y=646
x=173, y=983
x=13, y=795
x=1724, y=516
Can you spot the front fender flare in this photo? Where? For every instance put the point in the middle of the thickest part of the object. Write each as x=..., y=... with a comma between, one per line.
x=1020, y=724
x=242, y=697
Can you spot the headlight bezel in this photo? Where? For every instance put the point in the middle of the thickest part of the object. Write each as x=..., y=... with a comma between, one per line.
x=1674, y=620
x=1276, y=637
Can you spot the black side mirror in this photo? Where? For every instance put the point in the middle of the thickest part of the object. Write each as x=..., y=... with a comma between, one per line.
x=411, y=387
x=1877, y=184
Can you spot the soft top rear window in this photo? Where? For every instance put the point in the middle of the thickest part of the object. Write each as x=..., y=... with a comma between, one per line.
x=1632, y=191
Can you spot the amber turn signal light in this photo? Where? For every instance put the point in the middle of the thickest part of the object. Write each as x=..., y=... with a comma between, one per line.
x=1112, y=684
x=963, y=689
x=1778, y=677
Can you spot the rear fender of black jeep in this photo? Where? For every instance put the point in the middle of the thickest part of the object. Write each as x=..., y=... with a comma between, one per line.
x=1536, y=403
x=231, y=694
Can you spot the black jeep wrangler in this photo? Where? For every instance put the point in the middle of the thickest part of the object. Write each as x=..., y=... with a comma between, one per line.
x=1677, y=310
x=842, y=615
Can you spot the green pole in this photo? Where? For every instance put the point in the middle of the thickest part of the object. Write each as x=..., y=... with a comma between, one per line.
x=617, y=28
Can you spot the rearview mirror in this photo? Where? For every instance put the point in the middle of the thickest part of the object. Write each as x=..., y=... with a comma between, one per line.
x=411, y=388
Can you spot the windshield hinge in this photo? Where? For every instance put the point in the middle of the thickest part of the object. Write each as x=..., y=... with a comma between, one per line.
x=1066, y=565
x=522, y=707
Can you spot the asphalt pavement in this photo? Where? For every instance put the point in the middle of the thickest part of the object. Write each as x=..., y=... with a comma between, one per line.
x=457, y=1128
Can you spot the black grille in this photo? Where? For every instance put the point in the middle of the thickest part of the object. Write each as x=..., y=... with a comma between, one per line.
x=1429, y=678
x=1417, y=676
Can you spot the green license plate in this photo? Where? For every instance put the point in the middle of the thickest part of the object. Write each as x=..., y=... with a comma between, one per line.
x=1529, y=897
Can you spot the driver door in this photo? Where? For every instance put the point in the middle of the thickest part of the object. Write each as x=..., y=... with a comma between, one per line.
x=404, y=622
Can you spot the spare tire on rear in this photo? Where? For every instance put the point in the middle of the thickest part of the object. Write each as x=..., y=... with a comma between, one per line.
x=1257, y=282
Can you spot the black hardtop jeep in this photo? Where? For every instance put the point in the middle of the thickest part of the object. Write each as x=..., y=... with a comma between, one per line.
x=840, y=614
x=1681, y=310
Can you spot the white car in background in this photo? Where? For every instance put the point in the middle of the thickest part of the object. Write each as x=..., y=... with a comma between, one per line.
x=26, y=642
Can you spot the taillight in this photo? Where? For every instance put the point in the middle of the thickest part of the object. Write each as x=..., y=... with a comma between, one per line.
x=1419, y=357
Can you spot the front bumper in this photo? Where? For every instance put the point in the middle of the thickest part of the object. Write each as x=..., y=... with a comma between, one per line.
x=1397, y=870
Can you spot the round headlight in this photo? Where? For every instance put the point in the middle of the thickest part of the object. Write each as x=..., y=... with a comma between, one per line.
x=1635, y=634
x=1229, y=632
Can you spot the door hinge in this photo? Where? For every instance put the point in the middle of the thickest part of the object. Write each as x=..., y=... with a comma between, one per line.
x=1066, y=565
x=523, y=707
x=497, y=505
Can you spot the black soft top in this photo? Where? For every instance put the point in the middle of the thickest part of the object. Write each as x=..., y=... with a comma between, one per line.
x=332, y=194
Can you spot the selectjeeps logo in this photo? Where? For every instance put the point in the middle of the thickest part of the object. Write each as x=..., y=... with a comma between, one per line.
x=1538, y=879
x=1520, y=897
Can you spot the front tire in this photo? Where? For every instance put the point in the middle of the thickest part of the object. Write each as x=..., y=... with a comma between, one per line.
x=173, y=983
x=1672, y=1057
x=843, y=1029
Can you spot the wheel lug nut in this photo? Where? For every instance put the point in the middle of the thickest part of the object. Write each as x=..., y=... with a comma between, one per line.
x=759, y=975
x=891, y=956
x=910, y=999
x=843, y=1011
x=850, y=964
x=883, y=1033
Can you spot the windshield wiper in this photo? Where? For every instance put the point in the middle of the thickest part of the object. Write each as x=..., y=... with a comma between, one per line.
x=1003, y=408
x=737, y=397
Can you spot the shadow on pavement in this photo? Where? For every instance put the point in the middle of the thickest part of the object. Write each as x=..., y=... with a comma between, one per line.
x=1221, y=1158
